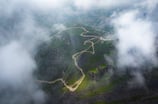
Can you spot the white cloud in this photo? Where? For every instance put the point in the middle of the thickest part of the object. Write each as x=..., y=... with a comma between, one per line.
x=16, y=64
x=107, y=4
x=49, y=4
x=150, y=4
x=136, y=39
x=59, y=27
x=84, y=5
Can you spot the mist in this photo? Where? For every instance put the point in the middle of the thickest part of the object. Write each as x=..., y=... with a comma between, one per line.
x=136, y=39
x=137, y=36
x=26, y=24
x=20, y=35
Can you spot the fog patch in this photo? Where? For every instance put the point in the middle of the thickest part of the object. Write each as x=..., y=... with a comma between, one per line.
x=136, y=39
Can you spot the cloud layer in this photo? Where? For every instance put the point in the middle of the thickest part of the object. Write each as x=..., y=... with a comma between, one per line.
x=25, y=24
x=136, y=39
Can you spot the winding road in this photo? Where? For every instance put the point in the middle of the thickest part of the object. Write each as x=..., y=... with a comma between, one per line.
x=90, y=49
